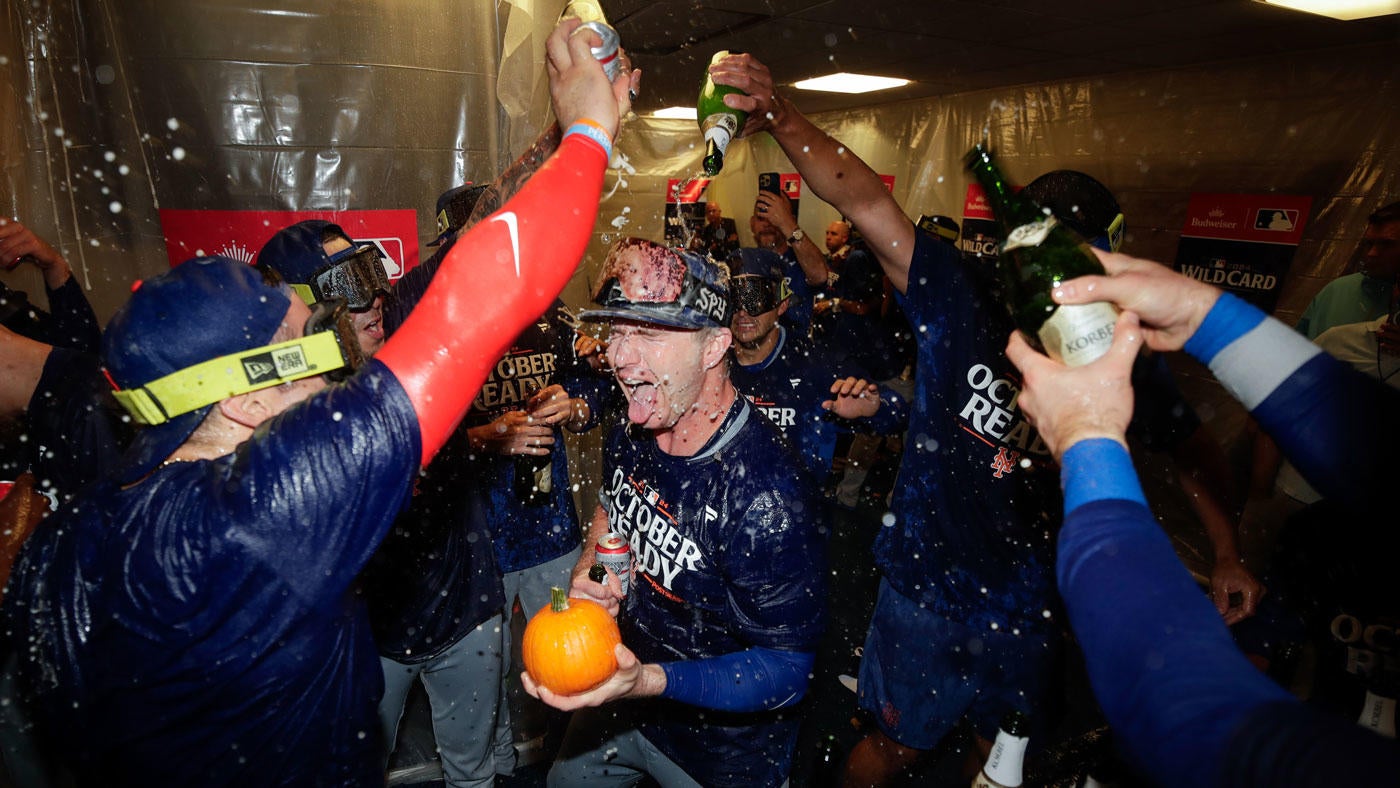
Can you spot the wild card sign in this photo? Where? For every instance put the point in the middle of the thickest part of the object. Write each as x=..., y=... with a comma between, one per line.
x=1242, y=243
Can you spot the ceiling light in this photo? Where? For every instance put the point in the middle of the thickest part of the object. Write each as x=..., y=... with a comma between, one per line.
x=680, y=113
x=850, y=83
x=1340, y=9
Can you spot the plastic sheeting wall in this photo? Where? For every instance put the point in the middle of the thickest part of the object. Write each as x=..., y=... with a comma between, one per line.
x=116, y=108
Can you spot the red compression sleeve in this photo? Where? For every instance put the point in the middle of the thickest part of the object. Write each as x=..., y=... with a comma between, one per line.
x=499, y=277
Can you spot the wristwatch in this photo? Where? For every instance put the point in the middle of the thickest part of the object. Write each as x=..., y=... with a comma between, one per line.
x=797, y=235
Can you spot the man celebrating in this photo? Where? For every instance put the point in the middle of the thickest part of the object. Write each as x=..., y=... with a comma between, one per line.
x=192, y=620
x=968, y=557
x=727, y=592
x=809, y=396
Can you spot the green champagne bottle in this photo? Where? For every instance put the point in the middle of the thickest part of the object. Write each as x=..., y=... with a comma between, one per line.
x=718, y=123
x=1037, y=252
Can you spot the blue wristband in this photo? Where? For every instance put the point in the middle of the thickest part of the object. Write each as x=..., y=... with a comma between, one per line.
x=594, y=132
x=1230, y=319
x=1098, y=469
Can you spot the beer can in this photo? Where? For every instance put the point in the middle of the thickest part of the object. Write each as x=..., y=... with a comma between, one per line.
x=614, y=553
x=606, y=52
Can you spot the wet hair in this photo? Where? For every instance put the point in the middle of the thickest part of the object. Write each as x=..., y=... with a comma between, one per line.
x=1385, y=215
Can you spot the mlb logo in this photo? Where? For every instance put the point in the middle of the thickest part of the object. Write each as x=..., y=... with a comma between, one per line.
x=390, y=253
x=1276, y=219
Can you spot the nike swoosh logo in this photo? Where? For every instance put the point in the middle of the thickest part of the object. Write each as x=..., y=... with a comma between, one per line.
x=509, y=218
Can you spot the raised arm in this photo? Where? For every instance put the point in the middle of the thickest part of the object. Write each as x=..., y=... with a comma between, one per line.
x=509, y=268
x=834, y=173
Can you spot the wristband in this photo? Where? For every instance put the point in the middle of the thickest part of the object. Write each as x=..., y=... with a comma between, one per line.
x=1229, y=319
x=1097, y=469
x=594, y=131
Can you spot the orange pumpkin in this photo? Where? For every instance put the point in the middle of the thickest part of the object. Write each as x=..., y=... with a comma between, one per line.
x=568, y=645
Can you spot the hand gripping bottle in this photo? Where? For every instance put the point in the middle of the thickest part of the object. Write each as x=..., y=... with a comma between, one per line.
x=1007, y=758
x=718, y=123
x=1037, y=253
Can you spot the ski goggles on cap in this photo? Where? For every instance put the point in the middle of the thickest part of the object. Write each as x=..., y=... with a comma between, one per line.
x=355, y=275
x=328, y=347
x=650, y=283
x=755, y=294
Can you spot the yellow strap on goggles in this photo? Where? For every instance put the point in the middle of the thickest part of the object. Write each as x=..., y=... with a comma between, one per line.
x=194, y=387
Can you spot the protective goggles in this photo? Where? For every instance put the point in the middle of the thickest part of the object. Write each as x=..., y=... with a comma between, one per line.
x=329, y=347
x=754, y=294
x=356, y=275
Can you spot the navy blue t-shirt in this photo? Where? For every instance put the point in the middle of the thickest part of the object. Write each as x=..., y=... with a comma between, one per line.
x=789, y=387
x=76, y=429
x=543, y=354
x=434, y=579
x=978, y=492
x=729, y=555
x=198, y=627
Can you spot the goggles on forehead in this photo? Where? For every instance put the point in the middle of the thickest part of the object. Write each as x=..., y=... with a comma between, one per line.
x=697, y=304
x=754, y=294
x=356, y=275
x=328, y=347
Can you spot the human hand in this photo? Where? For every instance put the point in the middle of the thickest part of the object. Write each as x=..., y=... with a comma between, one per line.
x=515, y=432
x=765, y=107
x=1230, y=577
x=854, y=398
x=19, y=244
x=550, y=405
x=1170, y=306
x=608, y=593
x=823, y=305
x=1070, y=404
x=578, y=87
x=1388, y=338
x=777, y=209
x=632, y=680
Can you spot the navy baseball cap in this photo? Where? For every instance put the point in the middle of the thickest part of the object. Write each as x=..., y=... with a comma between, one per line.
x=650, y=283
x=297, y=252
x=1081, y=202
x=944, y=228
x=197, y=311
x=454, y=208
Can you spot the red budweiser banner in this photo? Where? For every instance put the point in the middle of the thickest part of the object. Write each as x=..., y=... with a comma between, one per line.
x=240, y=234
x=1243, y=243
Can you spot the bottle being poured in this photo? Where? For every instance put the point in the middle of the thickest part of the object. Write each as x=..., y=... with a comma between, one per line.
x=718, y=123
x=1037, y=253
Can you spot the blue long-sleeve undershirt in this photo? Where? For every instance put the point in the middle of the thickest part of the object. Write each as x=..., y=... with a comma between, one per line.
x=755, y=679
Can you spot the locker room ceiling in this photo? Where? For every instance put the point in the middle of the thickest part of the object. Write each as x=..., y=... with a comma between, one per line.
x=949, y=46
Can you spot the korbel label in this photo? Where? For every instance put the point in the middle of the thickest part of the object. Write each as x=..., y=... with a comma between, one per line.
x=1079, y=333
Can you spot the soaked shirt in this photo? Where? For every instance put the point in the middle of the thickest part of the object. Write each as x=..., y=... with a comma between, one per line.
x=523, y=535
x=198, y=627
x=864, y=339
x=978, y=492
x=434, y=579
x=76, y=430
x=789, y=387
x=728, y=555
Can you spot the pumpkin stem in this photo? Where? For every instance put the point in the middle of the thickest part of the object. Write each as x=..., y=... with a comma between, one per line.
x=558, y=599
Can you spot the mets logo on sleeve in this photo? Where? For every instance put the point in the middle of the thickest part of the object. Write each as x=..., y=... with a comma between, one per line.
x=274, y=365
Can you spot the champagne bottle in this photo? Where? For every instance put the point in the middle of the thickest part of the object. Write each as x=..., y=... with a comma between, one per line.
x=1007, y=758
x=534, y=474
x=1038, y=252
x=718, y=123
x=1378, y=714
